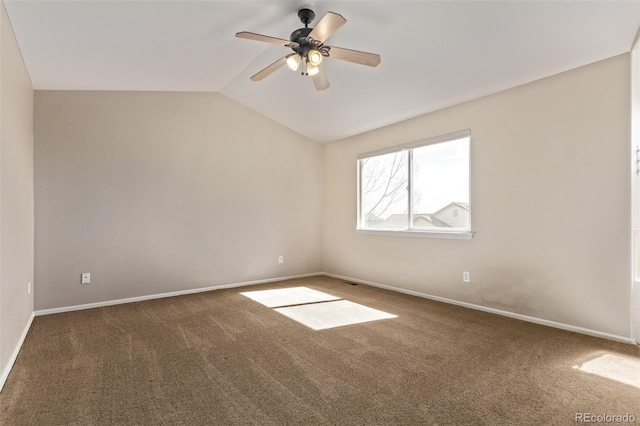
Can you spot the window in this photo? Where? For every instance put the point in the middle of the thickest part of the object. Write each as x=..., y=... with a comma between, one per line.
x=422, y=187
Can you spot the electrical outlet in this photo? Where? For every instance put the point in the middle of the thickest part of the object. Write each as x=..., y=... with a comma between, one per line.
x=29, y=287
x=86, y=278
x=466, y=277
x=280, y=259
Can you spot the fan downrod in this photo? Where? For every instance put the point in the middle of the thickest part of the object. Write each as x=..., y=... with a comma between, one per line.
x=306, y=16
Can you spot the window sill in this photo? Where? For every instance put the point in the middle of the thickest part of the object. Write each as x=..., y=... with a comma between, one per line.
x=454, y=235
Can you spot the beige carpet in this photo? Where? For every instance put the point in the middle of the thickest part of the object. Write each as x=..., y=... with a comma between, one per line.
x=222, y=358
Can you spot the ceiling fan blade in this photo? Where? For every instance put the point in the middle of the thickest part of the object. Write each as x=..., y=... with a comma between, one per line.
x=327, y=26
x=267, y=39
x=320, y=80
x=270, y=69
x=355, y=56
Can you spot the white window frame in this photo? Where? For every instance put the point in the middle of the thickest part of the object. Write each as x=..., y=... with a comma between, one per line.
x=453, y=233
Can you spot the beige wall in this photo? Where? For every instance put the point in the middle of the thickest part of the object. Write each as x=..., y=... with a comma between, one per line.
x=155, y=192
x=16, y=194
x=550, y=203
x=159, y=192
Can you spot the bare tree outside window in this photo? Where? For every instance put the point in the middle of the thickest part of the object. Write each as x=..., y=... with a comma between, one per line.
x=384, y=189
x=440, y=187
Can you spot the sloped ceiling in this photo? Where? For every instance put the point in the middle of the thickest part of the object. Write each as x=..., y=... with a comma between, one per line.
x=434, y=54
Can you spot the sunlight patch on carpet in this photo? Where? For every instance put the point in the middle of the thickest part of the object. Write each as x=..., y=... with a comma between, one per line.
x=614, y=367
x=321, y=316
x=288, y=296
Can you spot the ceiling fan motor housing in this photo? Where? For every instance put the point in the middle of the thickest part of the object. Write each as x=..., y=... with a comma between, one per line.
x=300, y=36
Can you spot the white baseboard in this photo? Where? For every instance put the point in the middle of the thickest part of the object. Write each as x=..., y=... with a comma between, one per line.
x=169, y=294
x=562, y=326
x=14, y=355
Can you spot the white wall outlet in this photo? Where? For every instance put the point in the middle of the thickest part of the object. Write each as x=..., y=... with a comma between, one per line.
x=466, y=277
x=86, y=278
x=280, y=259
x=29, y=287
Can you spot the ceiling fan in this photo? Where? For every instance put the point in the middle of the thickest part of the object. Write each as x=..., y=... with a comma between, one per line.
x=309, y=48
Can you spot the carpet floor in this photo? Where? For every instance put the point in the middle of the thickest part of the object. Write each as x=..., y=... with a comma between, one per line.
x=221, y=358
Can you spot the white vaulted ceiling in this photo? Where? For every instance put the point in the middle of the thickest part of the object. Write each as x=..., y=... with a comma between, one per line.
x=434, y=54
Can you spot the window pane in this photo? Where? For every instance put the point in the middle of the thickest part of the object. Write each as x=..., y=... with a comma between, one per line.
x=383, y=190
x=441, y=185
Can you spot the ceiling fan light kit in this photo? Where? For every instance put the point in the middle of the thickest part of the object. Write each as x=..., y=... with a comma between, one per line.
x=293, y=61
x=309, y=48
x=312, y=69
x=314, y=57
